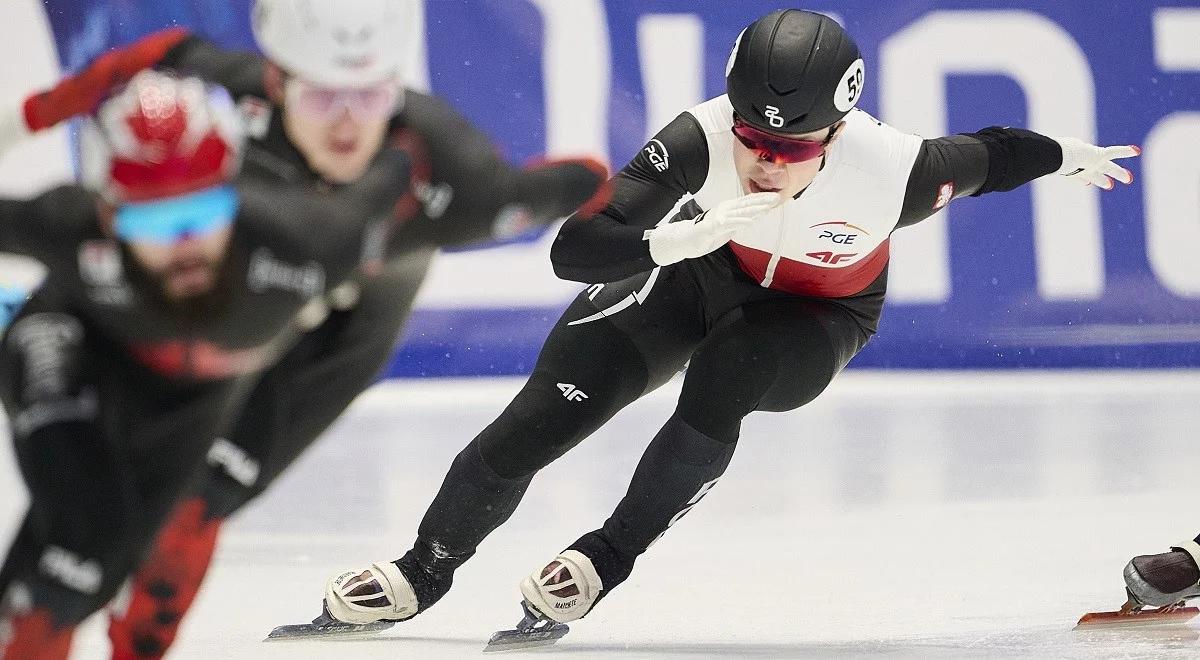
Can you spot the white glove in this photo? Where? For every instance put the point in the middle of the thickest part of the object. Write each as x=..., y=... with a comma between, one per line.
x=12, y=125
x=1092, y=165
x=687, y=239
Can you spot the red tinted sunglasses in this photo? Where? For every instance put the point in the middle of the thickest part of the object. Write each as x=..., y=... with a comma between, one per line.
x=776, y=148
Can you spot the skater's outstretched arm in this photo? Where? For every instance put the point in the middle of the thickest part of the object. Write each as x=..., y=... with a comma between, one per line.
x=82, y=92
x=611, y=244
x=47, y=226
x=330, y=225
x=241, y=72
x=998, y=159
x=174, y=48
x=471, y=194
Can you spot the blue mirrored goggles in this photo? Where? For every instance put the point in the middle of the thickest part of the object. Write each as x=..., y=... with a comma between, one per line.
x=169, y=220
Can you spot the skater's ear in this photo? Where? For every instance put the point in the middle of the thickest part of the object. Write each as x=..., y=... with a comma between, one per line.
x=273, y=80
x=835, y=132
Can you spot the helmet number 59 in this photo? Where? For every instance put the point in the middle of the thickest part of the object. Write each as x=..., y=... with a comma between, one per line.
x=850, y=86
x=854, y=83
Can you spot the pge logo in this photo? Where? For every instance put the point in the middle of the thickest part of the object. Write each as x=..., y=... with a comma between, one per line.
x=841, y=233
x=945, y=194
x=656, y=152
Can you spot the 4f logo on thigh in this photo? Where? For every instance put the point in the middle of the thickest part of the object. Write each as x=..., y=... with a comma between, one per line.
x=571, y=393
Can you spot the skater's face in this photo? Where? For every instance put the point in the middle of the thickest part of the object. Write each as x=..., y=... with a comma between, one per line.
x=186, y=268
x=766, y=162
x=179, y=241
x=338, y=129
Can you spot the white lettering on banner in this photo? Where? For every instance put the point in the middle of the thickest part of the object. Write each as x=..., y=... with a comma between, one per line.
x=1057, y=81
x=1172, y=174
x=1175, y=46
x=578, y=75
x=44, y=159
x=671, y=55
x=1172, y=186
x=577, y=69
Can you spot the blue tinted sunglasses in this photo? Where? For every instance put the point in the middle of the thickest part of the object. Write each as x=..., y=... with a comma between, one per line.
x=169, y=220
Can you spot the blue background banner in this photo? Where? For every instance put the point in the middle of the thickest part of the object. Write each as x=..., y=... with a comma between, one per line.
x=1047, y=276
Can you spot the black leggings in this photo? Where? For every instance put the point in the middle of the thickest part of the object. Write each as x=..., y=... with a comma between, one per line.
x=300, y=396
x=750, y=349
x=105, y=447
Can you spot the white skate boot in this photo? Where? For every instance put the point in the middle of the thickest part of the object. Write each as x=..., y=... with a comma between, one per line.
x=361, y=601
x=379, y=592
x=564, y=590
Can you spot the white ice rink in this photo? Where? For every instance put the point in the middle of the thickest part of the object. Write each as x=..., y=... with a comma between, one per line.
x=899, y=516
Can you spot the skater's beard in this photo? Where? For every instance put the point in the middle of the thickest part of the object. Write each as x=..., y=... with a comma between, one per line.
x=185, y=305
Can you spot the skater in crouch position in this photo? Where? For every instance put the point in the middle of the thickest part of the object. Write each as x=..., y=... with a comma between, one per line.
x=317, y=117
x=765, y=281
x=169, y=285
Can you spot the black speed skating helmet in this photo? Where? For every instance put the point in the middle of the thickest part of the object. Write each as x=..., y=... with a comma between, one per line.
x=794, y=71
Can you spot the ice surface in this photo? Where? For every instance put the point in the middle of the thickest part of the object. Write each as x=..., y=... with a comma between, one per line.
x=901, y=515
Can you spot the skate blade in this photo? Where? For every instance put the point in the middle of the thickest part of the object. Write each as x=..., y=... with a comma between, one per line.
x=532, y=631
x=325, y=626
x=1173, y=615
x=514, y=640
x=309, y=630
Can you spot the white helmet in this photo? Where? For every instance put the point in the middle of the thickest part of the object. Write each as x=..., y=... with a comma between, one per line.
x=339, y=43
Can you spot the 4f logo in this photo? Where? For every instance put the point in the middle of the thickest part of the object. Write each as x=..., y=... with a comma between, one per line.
x=831, y=257
x=772, y=115
x=571, y=393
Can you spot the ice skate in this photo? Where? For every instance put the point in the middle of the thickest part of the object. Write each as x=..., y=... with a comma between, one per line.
x=357, y=602
x=564, y=590
x=1162, y=582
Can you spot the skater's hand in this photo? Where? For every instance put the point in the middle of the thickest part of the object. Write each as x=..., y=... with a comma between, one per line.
x=1092, y=165
x=687, y=239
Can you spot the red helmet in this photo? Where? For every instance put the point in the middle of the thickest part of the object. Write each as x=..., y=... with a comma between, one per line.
x=161, y=136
